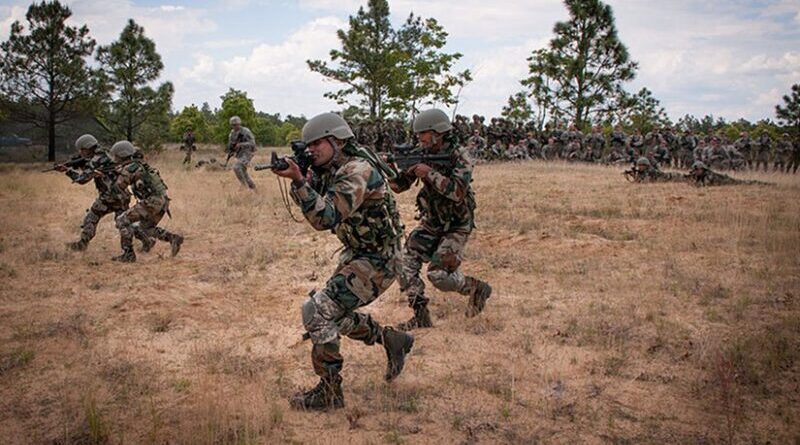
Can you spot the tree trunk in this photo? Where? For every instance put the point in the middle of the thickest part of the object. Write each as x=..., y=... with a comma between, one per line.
x=51, y=137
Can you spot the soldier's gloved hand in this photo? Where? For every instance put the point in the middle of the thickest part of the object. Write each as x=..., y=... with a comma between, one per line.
x=420, y=170
x=293, y=172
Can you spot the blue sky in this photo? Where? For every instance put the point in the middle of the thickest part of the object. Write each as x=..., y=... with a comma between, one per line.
x=731, y=58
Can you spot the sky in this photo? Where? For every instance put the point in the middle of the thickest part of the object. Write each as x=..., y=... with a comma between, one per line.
x=730, y=58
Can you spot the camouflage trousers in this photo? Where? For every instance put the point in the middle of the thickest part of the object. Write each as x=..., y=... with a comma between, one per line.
x=100, y=208
x=444, y=252
x=243, y=158
x=147, y=213
x=331, y=312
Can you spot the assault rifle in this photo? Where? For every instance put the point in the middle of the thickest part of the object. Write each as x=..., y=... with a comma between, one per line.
x=631, y=175
x=299, y=156
x=406, y=156
x=90, y=174
x=231, y=150
x=75, y=161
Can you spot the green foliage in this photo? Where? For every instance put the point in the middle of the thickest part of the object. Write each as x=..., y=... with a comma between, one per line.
x=45, y=78
x=129, y=65
x=236, y=103
x=580, y=75
x=640, y=110
x=789, y=114
x=190, y=118
x=517, y=109
x=391, y=71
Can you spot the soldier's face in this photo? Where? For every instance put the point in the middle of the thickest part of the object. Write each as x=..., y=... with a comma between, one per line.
x=429, y=140
x=321, y=151
x=236, y=127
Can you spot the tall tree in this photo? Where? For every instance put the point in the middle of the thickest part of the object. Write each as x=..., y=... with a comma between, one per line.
x=45, y=78
x=585, y=64
x=789, y=114
x=236, y=103
x=190, y=118
x=425, y=69
x=641, y=110
x=130, y=65
x=387, y=71
x=366, y=63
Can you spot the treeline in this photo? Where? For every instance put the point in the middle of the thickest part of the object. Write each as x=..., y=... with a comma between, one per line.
x=211, y=126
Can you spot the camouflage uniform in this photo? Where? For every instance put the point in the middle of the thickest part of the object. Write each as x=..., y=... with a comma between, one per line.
x=764, y=148
x=795, y=162
x=349, y=196
x=245, y=150
x=701, y=176
x=646, y=172
x=783, y=154
x=446, y=205
x=188, y=145
x=109, y=199
x=152, y=203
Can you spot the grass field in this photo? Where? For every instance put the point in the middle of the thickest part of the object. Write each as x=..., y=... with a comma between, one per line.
x=622, y=313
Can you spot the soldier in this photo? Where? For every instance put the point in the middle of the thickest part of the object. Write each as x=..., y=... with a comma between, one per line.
x=661, y=154
x=688, y=143
x=100, y=167
x=783, y=153
x=764, y=147
x=242, y=144
x=152, y=201
x=476, y=144
x=636, y=146
x=744, y=146
x=795, y=162
x=716, y=156
x=645, y=171
x=447, y=208
x=534, y=146
x=346, y=192
x=188, y=145
x=702, y=176
x=596, y=145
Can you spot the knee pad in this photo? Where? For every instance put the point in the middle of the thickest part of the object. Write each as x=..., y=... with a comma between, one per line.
x=446, y=281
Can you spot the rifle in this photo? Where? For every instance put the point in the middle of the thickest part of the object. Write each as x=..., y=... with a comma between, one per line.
x=631, y=175
x=231, y=150
x=75, y=161
x=299, y=156
x=93, y=173
x=406, y=156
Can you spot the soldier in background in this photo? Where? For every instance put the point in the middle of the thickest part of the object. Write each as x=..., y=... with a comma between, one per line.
x=188, y=145
x=243, y=144
x=764, y=145
x=702, y=176
x=783, y=153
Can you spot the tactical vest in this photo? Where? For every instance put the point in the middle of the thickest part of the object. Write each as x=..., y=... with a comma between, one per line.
x=441, y=213
x=149, y=184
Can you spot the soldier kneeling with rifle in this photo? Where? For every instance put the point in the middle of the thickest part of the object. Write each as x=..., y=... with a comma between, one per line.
x=346, y=191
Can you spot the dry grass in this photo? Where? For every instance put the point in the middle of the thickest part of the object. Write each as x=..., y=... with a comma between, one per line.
x=622, y=314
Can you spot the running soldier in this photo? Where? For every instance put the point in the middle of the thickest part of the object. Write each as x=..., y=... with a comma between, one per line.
x=242, y=145
x=446, y=205
x=152, y=201
x=346, y=192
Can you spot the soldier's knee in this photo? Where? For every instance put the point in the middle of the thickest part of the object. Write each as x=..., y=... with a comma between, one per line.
x=122, y=221
x=318, y=315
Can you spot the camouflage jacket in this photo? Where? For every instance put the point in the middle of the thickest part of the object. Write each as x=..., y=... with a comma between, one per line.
x=656, y=175
x=711, y=178
x=248, y=141
x=105, y=183
x=144, y=180
x=446, y=202
x=350, y=197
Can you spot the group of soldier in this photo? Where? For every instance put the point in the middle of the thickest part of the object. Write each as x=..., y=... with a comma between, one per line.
x=342, y=187
x=504, y=140
x=118, y=174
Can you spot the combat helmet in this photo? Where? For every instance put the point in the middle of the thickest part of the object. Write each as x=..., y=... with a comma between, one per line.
x=86, y=141
x=122, y=150
x=643, y=161
x=699, y=165
x=433, y=119
x=235, y=120
x=324, y=125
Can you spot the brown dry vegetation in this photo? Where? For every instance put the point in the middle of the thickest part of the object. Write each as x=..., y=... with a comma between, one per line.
x=622, y=314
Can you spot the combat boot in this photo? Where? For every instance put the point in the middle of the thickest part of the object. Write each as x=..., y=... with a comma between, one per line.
x=78, y=246
x=397, y=344
x=326, y=395
x=127, y=256
x=421, y=319
x=481, y=291
x=147, y=244
x=175, y=243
